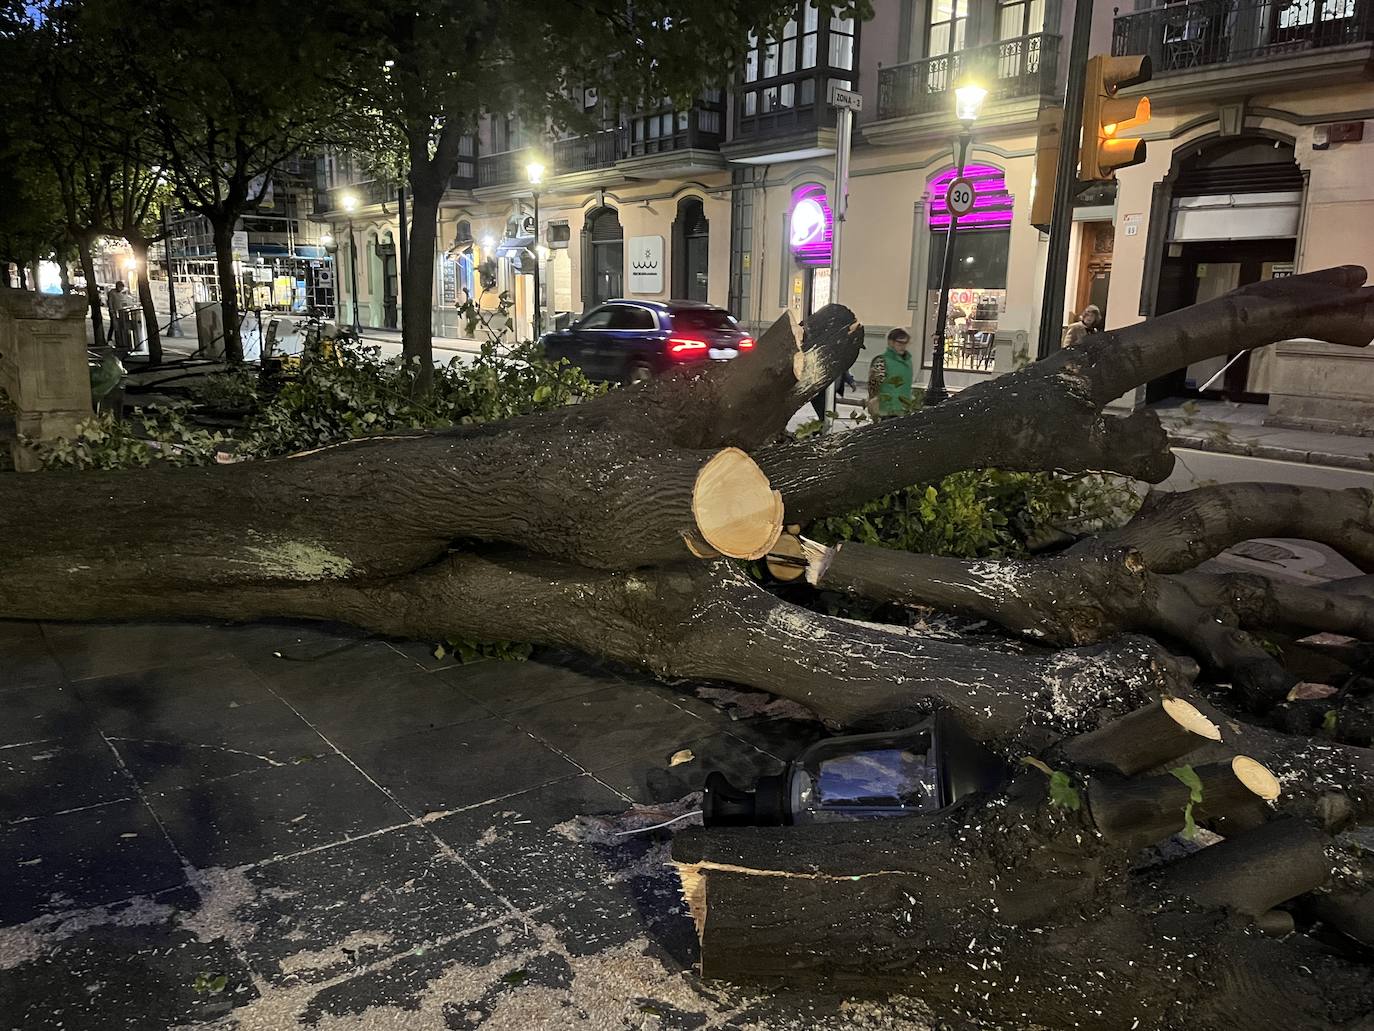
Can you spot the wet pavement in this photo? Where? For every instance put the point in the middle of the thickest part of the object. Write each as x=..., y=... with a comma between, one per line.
x=276, y=827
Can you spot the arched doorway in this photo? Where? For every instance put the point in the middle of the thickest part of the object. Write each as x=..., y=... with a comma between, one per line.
x=1227, y=216
x=691, y=250
x=603, y=257
x=386, y=257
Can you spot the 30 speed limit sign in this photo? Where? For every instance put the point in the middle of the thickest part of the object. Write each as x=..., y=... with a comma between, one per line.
x=960, y=197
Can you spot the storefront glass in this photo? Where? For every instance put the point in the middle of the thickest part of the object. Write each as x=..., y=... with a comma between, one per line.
x=978, y=279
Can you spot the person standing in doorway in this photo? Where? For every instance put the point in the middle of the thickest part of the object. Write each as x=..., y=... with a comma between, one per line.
x=890, y=378
x=1087, y=323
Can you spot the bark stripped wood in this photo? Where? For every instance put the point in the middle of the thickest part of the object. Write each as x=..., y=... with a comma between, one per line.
x=1049, y=415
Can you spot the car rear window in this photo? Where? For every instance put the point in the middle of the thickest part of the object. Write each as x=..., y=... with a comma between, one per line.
x=701, y=319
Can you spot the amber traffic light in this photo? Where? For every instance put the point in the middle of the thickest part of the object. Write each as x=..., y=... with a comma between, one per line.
x=1107, y=117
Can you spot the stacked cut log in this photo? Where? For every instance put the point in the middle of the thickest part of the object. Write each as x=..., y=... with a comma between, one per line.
x=618, y=527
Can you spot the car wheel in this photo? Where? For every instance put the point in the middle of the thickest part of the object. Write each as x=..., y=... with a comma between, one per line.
x=637, y=372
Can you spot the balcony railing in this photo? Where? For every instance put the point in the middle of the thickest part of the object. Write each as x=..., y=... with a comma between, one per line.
x=578, y=154
x=1010, y=68
x=701, y=128
x=784, y=105
x=375, y=191
x=1213, y=32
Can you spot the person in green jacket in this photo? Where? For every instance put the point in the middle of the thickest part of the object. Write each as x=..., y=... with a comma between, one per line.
x=890, y=379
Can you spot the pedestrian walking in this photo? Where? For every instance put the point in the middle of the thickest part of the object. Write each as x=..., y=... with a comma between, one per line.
x=890, y=378
x=1089, y=322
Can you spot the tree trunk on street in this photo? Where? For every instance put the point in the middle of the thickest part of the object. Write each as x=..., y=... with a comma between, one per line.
x=611, y=526
x=93, y=298
x=145, y=299
x=222, y=227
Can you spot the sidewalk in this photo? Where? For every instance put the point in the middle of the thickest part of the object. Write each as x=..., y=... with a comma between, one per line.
x=1223, y=427
x=280, y=827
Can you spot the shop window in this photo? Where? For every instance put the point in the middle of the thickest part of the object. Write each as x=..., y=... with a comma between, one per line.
x=978, y=277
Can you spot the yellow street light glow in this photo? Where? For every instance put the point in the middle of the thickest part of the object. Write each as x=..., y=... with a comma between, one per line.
x=968, y=101
x=349, y=201
x=535, y=171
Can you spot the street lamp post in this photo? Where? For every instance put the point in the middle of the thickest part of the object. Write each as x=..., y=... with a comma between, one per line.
x=535, y=171
x=350, y=205
x=968, y=100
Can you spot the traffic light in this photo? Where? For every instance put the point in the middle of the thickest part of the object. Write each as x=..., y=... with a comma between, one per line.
x=1105, y=117
x=1051, y=125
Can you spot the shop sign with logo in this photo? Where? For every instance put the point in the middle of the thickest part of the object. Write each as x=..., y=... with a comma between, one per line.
x=645, y=255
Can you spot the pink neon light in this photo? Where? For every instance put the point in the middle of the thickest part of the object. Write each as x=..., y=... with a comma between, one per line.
x=816, y=251
x=992, y=209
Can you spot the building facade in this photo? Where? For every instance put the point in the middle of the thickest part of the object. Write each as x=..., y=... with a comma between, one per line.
x=1256, y=167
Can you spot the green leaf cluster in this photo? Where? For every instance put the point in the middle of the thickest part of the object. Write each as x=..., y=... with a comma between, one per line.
x=105, y=442
x=1189, y=778
x=329, y=400
x=982, y=513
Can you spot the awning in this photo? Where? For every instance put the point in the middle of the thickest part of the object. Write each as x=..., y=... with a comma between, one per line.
x=511, y=246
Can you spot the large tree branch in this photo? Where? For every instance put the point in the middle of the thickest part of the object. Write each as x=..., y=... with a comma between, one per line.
x=1176, y=531
x=1049, y=414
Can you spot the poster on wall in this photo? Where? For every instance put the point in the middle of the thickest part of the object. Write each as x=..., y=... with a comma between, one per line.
x=645, y=255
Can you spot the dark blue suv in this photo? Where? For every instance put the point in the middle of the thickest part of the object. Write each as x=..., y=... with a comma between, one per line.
x=628, y=340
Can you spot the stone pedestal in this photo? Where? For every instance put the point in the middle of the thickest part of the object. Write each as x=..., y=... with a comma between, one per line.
x=43, y=366
x=1322, y=386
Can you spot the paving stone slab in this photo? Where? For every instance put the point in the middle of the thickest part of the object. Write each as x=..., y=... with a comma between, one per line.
x=131, y=967
x=85, y=858
x=273, y=812
x=610, y=726
x=452, y=767
x=364, y=901
x=385, y=705
x=55, y=776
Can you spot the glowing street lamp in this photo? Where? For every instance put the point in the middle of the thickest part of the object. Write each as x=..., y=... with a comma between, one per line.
x=348, y=200
x=534, y=171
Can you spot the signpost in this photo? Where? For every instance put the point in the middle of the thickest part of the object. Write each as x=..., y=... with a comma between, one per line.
x=846, y=102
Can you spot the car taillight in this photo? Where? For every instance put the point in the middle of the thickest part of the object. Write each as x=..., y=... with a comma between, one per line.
x=685, y=349
x=745, y=344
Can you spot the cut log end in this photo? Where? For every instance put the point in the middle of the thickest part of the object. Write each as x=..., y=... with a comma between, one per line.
x=1256, y=777
x=737, y=512
x=1187, y=716
x=787, y=561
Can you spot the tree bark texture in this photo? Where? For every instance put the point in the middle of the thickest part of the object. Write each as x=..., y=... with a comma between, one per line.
x=1049, y=414
x=152, y=332
x=93, y=298
x=222, y=230
x=1017, y=911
